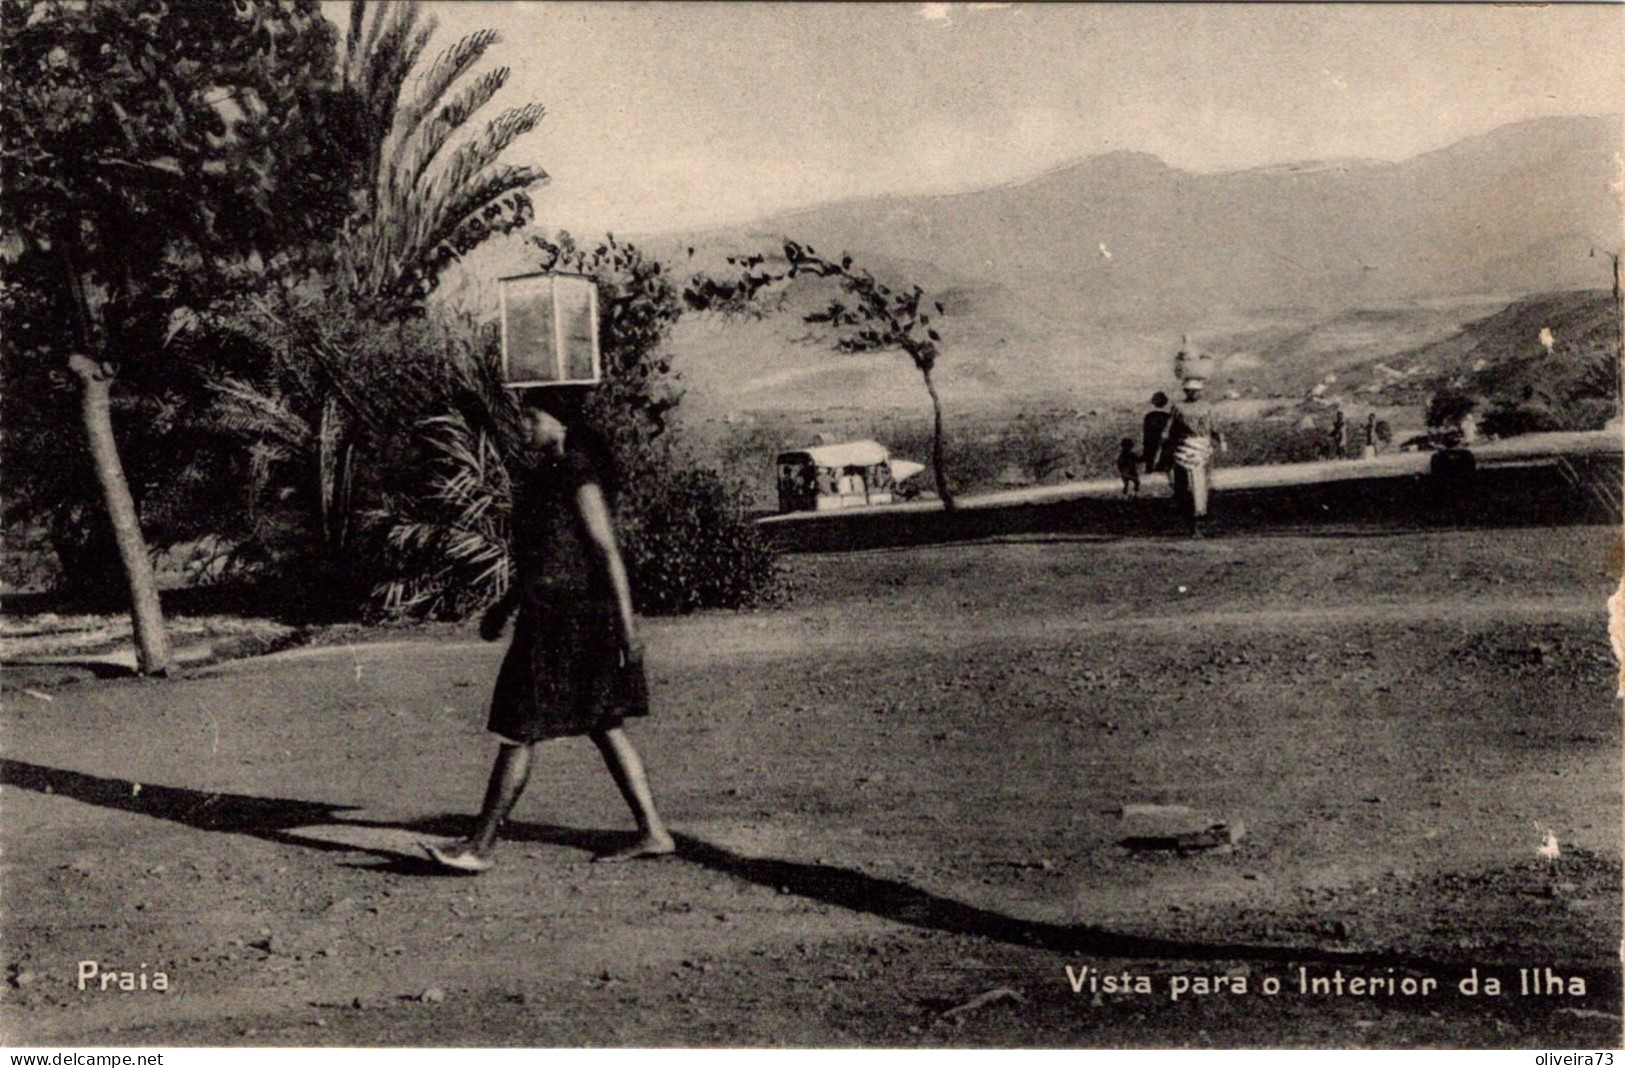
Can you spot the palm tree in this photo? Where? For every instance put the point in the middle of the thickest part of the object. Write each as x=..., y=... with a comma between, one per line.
x=425, y=197
x=428, y=186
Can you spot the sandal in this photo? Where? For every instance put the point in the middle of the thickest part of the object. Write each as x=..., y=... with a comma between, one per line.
x=458, y=858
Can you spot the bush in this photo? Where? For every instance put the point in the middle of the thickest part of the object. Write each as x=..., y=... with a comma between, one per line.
x=345, y=422
x=1508, y=419
x=1448, y=407
x=377, y=454
x=746, y=457
x=688, y=543
x=684, y=533
x=444, y=551
x=1036, y=445
x=1257, y=441
x=684, y=529
x=973, y=464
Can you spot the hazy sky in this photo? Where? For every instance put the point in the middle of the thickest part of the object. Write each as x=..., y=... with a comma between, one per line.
x=674, y=115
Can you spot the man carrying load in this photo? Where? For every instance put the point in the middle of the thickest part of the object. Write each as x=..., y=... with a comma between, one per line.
x=1193, y=434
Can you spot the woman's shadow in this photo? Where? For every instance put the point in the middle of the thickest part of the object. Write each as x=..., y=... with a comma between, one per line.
x=290, y=821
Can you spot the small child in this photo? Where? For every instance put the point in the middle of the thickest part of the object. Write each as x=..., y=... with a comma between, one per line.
x=1128, y=465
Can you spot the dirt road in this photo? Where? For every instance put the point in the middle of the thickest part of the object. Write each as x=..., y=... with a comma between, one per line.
x=893, y=795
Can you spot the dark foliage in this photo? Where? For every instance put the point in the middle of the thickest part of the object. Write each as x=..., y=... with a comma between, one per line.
x=688, y=543
x=684, y=528
x=1449, y=407
x=426, y=192
x=156, y=158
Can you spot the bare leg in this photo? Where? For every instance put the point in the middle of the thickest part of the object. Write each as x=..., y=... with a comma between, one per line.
x=508, y=777
x=1198, y=500
x=627, y=768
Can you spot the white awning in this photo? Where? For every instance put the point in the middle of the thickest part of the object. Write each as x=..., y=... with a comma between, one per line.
x=845, y=454
x=901, y=470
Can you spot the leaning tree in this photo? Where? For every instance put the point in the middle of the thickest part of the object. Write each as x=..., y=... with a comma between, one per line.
x=153, y=154
x=867, y=315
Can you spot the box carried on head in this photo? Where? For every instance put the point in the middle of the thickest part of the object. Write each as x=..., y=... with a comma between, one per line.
x=549, y=330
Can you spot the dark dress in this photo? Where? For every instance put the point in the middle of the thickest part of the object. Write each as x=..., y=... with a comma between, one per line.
x=563, y=673
x=1156, y=428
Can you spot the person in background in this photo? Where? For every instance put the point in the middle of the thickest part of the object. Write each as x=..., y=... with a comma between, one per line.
x=575, y=666
x=1193, y=434
x=1340, y=437
x=1128, y=466
x=1155, y=428
x=1371, y=432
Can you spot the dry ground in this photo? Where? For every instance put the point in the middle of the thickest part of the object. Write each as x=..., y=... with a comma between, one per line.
x=892, y=795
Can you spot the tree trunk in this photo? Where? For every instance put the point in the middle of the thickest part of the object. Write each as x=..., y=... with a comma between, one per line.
x=146, y=613
x=936, y=445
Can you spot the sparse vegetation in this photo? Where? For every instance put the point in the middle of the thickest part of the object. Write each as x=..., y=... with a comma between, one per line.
x=1449, y=407
x=1046, y=445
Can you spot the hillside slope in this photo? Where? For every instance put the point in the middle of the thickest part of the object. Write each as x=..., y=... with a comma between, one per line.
x=1078, y=284
x=1500, y=359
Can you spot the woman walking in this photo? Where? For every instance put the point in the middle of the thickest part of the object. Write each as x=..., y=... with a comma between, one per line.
x=576, y=664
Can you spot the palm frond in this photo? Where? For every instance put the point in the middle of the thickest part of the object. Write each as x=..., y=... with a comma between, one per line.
x=420, y=209
x=262, y=457
x=477, y=153
x=377, y=26
x=450, y=65
x=383, y=66
x=449, y=541
x=395, y=41
x=248, y=410
x=409, y=169
x=481, y=201
x=352, y=38
x=389, y=91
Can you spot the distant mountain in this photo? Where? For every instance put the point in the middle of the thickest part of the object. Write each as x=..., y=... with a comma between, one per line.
x=1079, y=282
x=1124, y=239
x=1291, y=358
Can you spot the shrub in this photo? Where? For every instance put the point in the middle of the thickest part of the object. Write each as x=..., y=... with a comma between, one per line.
x=684, y=530
x=688, y=543
x=404, y=428
x=684, y=533
x=1036, y=445
x=745, y=457
x=346, y=421
x=973, y=464
x=445, y=551
x=1448, y=407
x=1508, y=418
x=1257, y=441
